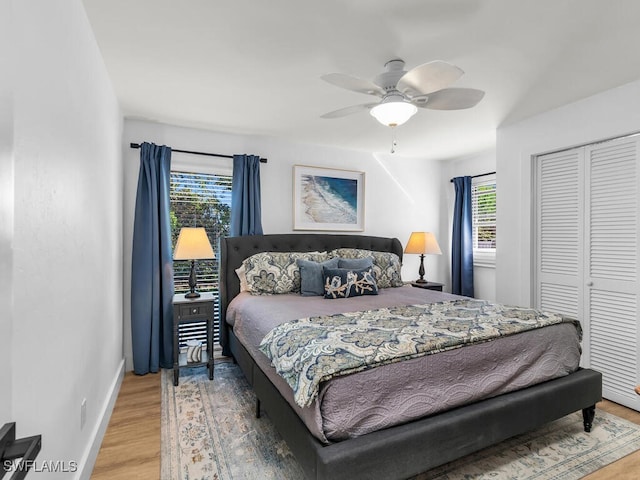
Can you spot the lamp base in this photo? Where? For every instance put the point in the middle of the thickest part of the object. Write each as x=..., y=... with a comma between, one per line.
x=421, y=270
x=192, y=282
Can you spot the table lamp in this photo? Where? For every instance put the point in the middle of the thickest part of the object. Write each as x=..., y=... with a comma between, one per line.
x=193, y=244
x=422, y=243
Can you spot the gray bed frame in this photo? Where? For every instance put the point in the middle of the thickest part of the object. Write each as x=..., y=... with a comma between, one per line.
x=404, y=450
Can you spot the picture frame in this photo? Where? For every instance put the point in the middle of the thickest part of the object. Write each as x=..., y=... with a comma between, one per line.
x=328, y=199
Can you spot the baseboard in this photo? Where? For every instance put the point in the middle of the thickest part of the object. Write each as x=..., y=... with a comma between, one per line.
x=91, y=452
x=128, y=363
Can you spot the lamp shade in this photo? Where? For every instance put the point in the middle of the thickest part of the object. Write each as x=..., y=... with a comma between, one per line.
x=393, y=111
x=423, y=242
x=193, y=244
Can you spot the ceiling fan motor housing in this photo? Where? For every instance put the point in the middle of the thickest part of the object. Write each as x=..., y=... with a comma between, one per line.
x=389, y=79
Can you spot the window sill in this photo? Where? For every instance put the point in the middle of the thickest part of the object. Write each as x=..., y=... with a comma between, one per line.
x=484, y=259
x=484, y=264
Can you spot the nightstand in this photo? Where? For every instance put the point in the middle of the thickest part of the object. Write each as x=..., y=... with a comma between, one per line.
x=192, y=311
x=428, y=285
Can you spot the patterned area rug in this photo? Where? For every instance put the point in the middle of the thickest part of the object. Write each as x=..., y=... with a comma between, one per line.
x=209, y=432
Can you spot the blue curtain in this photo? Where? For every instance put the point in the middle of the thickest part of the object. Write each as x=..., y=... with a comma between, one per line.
x=462, y=245
x=246, y=213
x=152, y=264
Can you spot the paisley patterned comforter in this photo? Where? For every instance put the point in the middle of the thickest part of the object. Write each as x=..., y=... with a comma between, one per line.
x=309, y=351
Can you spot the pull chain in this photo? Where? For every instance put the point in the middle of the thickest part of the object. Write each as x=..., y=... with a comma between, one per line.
x=393, y=140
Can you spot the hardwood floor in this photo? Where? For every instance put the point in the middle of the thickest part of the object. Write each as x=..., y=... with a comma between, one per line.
x=131, y=446
x=627, y=468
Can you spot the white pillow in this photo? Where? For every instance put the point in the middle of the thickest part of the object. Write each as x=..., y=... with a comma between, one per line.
x=244, y=285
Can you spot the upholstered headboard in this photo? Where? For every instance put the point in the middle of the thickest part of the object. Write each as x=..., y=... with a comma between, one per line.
x=233, y=250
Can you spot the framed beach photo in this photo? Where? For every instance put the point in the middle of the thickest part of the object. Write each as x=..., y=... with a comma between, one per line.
x=327, y=199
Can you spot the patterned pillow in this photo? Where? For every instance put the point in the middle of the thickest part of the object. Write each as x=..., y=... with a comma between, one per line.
x=346, y=282
x=386, y=265
x=276, y=272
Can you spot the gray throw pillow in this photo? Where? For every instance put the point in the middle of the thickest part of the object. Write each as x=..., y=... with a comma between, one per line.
x=311, y=278
x=356, y=263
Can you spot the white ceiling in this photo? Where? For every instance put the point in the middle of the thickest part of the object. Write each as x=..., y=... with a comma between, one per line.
x=254, y=66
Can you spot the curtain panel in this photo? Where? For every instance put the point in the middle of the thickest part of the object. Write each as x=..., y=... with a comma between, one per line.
x=152, y=264
x=462, y=243
x=246, y=209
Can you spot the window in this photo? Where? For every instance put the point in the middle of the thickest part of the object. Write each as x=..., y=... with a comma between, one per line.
x=483, y=199
x=199, y=200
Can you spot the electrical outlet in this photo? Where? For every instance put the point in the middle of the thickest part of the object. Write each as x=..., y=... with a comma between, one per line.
x=83, y=413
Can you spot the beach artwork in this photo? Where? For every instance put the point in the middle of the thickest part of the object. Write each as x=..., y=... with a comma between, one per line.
x=328, y=199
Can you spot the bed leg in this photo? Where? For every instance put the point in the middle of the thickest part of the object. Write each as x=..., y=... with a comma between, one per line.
x=257, y=407
x=588, y=414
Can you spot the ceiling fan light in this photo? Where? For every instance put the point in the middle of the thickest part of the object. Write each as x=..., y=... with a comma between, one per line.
x=392, y=114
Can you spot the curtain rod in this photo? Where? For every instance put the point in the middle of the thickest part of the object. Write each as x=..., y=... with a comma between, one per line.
x=479, y=175
x=137, y=145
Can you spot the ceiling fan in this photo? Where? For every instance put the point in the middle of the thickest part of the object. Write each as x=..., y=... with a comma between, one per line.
x=403, y=92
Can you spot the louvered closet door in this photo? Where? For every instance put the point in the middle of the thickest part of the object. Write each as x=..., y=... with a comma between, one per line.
x=611, y=267
x=560, y=230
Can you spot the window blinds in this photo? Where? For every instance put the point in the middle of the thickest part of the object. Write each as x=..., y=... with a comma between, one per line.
x=483, y=204
x=199, y=200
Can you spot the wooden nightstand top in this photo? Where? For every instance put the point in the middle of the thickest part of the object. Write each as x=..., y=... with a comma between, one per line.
x=204, y=297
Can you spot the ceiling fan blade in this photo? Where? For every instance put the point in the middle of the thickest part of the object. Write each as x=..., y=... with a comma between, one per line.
x=343, y=112
x=429, y=77
x=353, y=83
x=449, y=99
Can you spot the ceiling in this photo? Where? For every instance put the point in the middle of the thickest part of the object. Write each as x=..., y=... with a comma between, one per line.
x=254, y=67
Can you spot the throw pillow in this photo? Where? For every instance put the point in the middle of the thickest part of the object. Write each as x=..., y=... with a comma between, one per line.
x=311, y=278
x=386, y=265
x=356, y=263
x=345, y=282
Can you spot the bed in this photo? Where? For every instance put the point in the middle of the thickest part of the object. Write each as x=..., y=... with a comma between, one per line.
x=405, y=448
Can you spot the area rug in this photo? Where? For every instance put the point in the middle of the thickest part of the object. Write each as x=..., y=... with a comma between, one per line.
x=209, y=432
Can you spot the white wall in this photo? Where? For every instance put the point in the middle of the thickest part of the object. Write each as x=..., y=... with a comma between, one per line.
x=66, y=316
x=6, y=214
x=608, y=114
x=401, y=195
x=484, y=277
